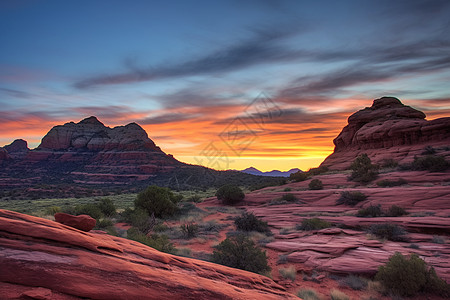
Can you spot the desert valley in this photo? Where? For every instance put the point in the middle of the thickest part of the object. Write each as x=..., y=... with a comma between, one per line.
x=325, y=232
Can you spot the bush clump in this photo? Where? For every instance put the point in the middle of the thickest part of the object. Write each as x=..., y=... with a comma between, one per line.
x=107, y=207
x=90, y=209
x=230, y=194
x=432, y=163
x=408, y=276
x=313, y=224
x=160, y=201
x=396, y=211
x=315, y=184
x=363, y=169
x=288, y=197
x=308, y=294
x=338, y=295
x=138, y=218
x=249, y=222
x=371, y=211
x=388, y=231
x=288, y=273
x=298, y=176
x=391, y=183
x=351, y=198
x=354, y=282
x=242, y=253
x=189, y=230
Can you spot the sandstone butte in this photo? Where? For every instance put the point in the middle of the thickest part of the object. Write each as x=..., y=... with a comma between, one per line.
x=387, y=130
x=47, y=260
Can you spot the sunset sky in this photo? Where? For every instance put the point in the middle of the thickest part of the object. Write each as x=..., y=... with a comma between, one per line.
x=227, y=84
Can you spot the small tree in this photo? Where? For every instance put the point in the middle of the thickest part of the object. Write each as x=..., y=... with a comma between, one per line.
x=230, y=194
x=363, y=170
x=241, y=252
x=315, y=184
x=107, y=207
x=249, y=222
x=158, y=200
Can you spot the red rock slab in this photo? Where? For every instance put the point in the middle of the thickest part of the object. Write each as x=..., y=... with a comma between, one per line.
x=35, y=252
x=81, y=222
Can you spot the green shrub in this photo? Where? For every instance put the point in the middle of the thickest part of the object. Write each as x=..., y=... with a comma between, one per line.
x=288, y=273
x=371, y=211
x=315, y=184
x=230, y=194
x=104, y=223
x=408, y=277
x=90, y=209
x=391, y=183
x=432, y=163
x=158, y=242
x=388, y=231
x=338, y=295
x=242, y=253
x=396, y=211
x=363, y=170
x=313, y=224
x=299, y=176
x=249, y=222
x=351, y=198
x=107, y=207
x=308, y=294
x=158, y=200
x=138, y=218
x=189, y=230
x=354, y=282
x=288, y=197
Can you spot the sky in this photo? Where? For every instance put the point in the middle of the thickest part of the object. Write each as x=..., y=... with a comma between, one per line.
x=226, y=84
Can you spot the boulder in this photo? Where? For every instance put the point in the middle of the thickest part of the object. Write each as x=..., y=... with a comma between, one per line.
x=81, y=222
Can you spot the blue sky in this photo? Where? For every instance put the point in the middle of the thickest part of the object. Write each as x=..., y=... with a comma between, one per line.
x=183, y=69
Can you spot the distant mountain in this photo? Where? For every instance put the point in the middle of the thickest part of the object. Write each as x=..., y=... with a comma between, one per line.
x=273, y=173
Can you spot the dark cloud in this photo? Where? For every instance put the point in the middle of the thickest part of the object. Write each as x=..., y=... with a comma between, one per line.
x=167, y=118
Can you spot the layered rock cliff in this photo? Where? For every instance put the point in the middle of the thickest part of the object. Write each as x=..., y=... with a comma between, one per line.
x=42, y=259
x=388, y=130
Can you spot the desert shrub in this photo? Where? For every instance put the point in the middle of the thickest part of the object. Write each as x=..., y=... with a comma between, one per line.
x=230, y=194
x=299, y=176
x=288, y=197
x=389, y=163
x=107, y=207
x=371, y=211
x=313, y=224
x=189, y=230
x=138, y=218
x=351, y=198
x=355, y=282
x=308, y=294
x=185, y=252
x=432, y=163
x=288, y=273
x=104, y=223
x=90, y=209
x=317, y=171
x=287, y=189
x=249, y=222
x=156, y=241
x=242, y=253
x=408, y=276
x=396, y=211
x=413, y=246
x=211, y=226
x=363, y=169
x=158, y=200
x=391, y=183
x=161, y=227
x=315, y=184
x=338, y=295
x=388, y=231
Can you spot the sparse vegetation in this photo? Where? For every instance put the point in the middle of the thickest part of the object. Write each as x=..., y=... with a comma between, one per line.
x=388, y=231
x=299, y=176
x=432, y=163
x=438, y=239
x=160, y=201
x=391, y=183
x=371, y=211
x=288, y=197
x=363, y=169
x=355, y=282
x=189, y=230
x=90, y=209
x=313, y=224
x=107, y=207
x=315, y=184
x=249, y=222
x=408, y=276
x=156, y=241
x=389, y=163
x=242, y=253
x=230, y=194
x=288, y=273
x=338, y=295
x=308, y=294
x=351, y=198
x=396, y=211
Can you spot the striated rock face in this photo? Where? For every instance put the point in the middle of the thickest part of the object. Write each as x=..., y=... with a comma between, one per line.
x=387, y=129
x=45, y=259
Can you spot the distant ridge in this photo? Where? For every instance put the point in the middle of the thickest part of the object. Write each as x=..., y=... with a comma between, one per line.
x=273, y=173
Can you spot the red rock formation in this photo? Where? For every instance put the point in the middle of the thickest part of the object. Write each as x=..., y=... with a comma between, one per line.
x=42, y=258
x=387, y=129
x=81, y=222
